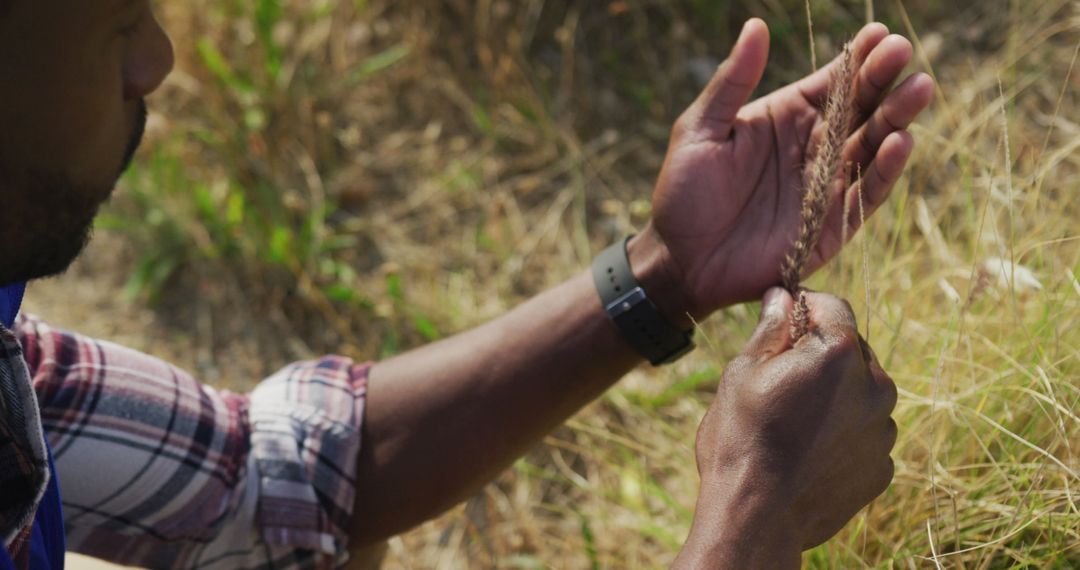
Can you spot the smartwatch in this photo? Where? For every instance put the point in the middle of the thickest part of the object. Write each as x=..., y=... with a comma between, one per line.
x=637, y=318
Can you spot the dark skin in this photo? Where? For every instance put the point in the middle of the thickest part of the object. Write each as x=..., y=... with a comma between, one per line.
x=795, y=443
x=525, y=373
x=446, y=418
x=74, y=76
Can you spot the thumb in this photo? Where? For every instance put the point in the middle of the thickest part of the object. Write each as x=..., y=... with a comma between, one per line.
x=773, y=333
x=734, y=81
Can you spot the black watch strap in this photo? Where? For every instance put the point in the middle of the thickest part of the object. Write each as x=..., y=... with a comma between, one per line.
x=625, y=301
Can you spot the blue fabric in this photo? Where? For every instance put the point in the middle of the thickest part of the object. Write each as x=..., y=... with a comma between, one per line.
x=47, y=543
x=10, y=300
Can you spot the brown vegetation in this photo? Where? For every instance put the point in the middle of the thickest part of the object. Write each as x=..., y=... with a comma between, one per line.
x=360, y=177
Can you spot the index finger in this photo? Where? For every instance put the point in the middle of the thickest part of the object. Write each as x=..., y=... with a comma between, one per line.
x=831, y=352
x=831, y=317
x=815, y=87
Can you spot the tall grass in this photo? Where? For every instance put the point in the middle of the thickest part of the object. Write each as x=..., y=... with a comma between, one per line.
x=365, y=176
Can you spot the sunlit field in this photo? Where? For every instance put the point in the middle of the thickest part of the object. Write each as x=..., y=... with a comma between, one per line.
x=363, y=177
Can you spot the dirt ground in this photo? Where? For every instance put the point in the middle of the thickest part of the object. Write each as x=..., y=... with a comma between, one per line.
x=89, y=299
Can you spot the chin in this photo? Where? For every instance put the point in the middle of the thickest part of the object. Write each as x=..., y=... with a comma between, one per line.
x=46, y=226
x=49, y=255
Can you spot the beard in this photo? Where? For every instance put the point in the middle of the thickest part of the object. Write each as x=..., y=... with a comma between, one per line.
x=46, y=219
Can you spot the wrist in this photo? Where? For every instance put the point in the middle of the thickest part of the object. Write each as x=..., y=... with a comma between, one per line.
x=738, y=528
x=737, y=551
x=661, y=278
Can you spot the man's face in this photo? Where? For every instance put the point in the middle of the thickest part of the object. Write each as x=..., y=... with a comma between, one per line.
x=73, y=75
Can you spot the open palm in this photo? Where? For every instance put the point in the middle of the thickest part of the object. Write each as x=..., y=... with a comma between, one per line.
x=728, y=199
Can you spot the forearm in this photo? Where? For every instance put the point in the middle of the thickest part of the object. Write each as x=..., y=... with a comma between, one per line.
x=443, y=420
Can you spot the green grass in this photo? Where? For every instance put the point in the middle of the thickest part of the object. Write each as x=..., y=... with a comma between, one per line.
x=364, y=177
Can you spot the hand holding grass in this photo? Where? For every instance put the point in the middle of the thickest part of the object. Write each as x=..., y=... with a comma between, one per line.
x=796, y=441
x=727, y=205
x=444, y=419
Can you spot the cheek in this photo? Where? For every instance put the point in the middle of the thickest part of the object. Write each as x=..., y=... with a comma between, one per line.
x=67, y=115
x=89, y=125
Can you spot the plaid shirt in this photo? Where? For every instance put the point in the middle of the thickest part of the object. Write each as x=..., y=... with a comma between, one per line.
x=158, y=470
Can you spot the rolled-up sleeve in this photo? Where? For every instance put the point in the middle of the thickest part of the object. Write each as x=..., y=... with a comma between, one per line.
x=160, y=471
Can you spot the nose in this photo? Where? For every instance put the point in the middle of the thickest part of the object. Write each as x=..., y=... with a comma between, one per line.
x=150, y=59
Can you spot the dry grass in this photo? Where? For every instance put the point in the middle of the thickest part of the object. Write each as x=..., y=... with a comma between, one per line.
x=821, y=176
x=361, y=177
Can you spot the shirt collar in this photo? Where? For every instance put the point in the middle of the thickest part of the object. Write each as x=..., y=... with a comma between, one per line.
x=10, y=300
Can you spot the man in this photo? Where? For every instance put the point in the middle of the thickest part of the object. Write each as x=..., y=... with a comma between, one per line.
x=160, y=471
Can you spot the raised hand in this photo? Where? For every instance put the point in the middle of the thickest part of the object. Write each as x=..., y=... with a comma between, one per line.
x=726, y=206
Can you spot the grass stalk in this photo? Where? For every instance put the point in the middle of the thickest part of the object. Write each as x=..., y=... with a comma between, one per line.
x=820, y=176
